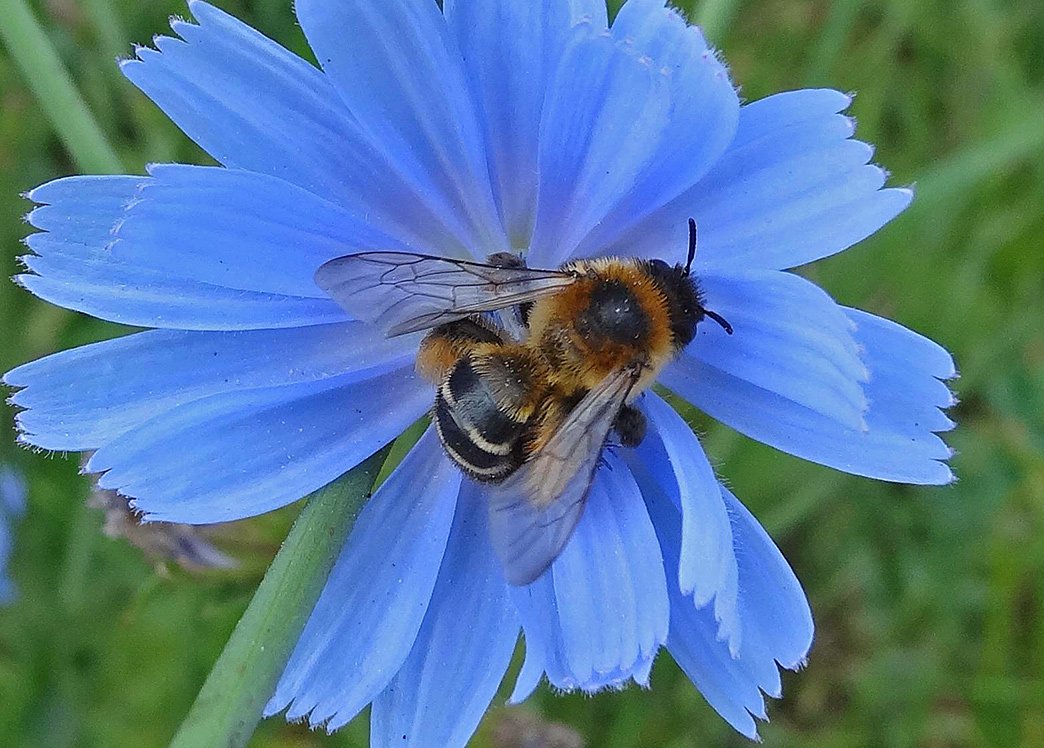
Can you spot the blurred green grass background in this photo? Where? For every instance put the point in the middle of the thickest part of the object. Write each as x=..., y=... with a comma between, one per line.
x=929, y=602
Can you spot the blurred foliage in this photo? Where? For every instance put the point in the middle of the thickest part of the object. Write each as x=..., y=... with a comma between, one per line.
x=929, y=602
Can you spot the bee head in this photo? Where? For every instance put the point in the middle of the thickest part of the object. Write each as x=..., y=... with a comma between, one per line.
x=684, y=298
x=704, y=311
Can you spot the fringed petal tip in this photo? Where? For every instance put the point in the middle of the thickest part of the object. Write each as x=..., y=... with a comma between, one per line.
x=39, y=194
x=897, y=437
x=25, y=440
x=636, y=673
x=735, y=673
x=903, y=195
x=386, y=574
x=24, y=262
x=792, y=187
x=301, y=719
x=426, y=700
x=639, y=674
x=26, y=281
x=793, y=667
x=143, y=516
x=672, y=462
x=600, y=614
x=520, y=692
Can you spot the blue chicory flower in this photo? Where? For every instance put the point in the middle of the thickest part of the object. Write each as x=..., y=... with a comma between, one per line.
x=489, y=125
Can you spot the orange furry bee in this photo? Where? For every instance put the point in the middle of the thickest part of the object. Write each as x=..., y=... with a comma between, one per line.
x=526, y=399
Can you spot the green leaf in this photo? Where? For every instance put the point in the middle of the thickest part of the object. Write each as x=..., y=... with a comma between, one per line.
x=38, y=60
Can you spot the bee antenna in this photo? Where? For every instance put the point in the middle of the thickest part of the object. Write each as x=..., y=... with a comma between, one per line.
x=692, y=245
x=720, y=320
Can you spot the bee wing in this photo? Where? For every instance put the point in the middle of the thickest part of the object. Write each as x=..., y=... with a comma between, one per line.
x=403, y=292
x=534, y=512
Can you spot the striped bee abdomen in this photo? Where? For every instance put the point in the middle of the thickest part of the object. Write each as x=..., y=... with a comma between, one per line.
x=479, y=432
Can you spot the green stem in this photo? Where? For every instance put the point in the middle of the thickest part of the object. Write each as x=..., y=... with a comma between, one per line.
x=400, y=447
x=229, y=705
x=38, y=60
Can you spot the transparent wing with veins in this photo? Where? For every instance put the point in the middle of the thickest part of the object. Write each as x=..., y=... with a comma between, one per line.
x=403, y=292
x=534, y=512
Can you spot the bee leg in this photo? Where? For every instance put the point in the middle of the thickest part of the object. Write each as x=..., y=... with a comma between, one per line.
x=630, y=425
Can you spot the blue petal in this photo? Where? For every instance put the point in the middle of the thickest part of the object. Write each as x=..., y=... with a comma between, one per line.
x=370, y=612
x=402, y=78
x=463, y=648
x=704, y=113
x=671, y=456
x=238, y=229
x=810, y=195
x=241, y=453
x=83, y=398
x=74, y=267
x=249, y=102
x=771, y=598
x=601, y=609
x=536, y=663
x=905, y=390
x=511, y=52
x=804, y=108
x=898, y=445
x=79, y=212
x=253, y=105
x=790, y=339
x=606, y=113
x=531, y=674
x=775, y=614
x=131, y=296
x=791, y=188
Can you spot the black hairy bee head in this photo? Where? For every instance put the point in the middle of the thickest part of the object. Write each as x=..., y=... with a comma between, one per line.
x=684, y=298
x=684, y=302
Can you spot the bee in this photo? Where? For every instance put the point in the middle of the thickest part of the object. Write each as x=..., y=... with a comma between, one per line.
x=533, y=369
